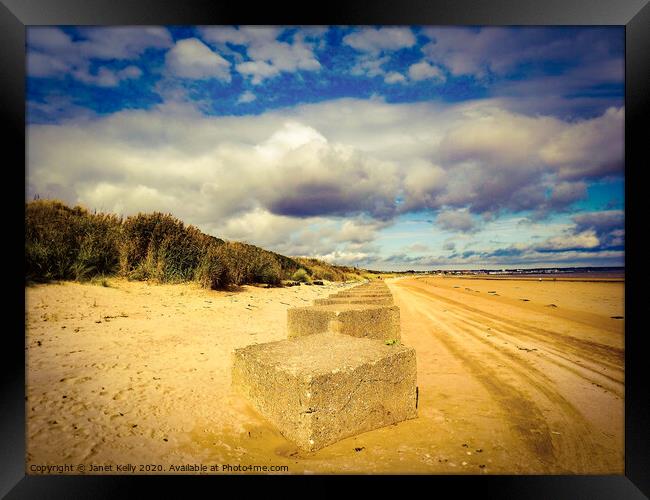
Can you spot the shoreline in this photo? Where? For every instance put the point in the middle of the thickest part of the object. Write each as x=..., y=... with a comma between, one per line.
x=542, y=278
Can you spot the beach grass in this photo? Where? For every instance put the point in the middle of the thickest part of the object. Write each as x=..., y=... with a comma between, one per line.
x=73, y=243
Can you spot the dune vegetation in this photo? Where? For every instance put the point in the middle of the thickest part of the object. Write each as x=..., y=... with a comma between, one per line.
x=73, y=243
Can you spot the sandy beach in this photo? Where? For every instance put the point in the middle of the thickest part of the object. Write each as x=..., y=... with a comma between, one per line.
x=514, y=376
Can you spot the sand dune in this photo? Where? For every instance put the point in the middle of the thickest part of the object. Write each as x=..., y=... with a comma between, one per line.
x=140, y=374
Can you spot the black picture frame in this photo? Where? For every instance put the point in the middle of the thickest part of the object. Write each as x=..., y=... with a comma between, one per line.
x=15, y=15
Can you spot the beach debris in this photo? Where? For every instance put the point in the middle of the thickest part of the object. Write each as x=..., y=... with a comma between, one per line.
x=616, y=317
x=551, y=305
x=525, y=300
x=525, y=349
x=359, y=448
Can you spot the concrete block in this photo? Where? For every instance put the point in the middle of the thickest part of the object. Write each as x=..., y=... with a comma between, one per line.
x=380, y=322
x=361, y=295
x=319, y=389
x=380, y=301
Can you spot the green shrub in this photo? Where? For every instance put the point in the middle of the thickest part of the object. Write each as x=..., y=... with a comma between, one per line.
x=72, y=243
x=159, y=246
x=68, y=243
x=301, y=275
x=211, y=271
x=266, y=269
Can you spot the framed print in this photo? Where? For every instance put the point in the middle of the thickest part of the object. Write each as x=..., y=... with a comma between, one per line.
x=385, y=240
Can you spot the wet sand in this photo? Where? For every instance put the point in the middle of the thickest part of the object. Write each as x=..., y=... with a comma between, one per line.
x=527, y=379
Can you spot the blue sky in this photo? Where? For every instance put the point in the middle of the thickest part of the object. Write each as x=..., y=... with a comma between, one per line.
x=408, y=147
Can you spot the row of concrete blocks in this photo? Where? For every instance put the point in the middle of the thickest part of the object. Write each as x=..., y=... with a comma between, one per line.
x=341, y=372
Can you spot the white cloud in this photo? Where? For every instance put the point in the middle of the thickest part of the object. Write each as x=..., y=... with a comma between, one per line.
x=369, y=65
x=191, y=58
x=583, y=240
x=258, y=70
x=377, y=39
x=313, y=164
x=268, y=57
x=53, y=53
x=593, y=147
x=455, y=221
x=246, y=97
x=373, y=42
x=425, y=71
x=108, y=78
x=466, y=51
x=122, y=42
x=394, y=77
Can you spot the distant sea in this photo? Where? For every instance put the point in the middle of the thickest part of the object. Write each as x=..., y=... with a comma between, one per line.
x=589, y=273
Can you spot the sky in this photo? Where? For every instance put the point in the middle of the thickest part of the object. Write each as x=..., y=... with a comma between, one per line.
x=382, y=147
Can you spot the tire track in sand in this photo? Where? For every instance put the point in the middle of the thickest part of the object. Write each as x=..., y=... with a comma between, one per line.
x=609, y=357
x=586, y=367
x=527, y=395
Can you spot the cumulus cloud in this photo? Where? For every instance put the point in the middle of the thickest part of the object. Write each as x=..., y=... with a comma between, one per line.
x=469, y=51
x=571, y=241
x=246, y=97
x=600, y=221
x=591, y=148
x=394, y=77
x=311, y=165
x=107, y=78
x=608, y=225
x=372, y=43
x=304, y=182
x=498, y=50
x=456, y=221
x=375, y=40
x=425, y=71
x=51, y=52
x=564, y=193
x=369, y=65
x=267, y=56
x=191, y=58
x=345, y=156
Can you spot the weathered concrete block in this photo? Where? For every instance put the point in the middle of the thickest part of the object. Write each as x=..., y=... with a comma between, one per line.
x=320, y=389
x=361, y=295
x=357, y=320
x=380, y=301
